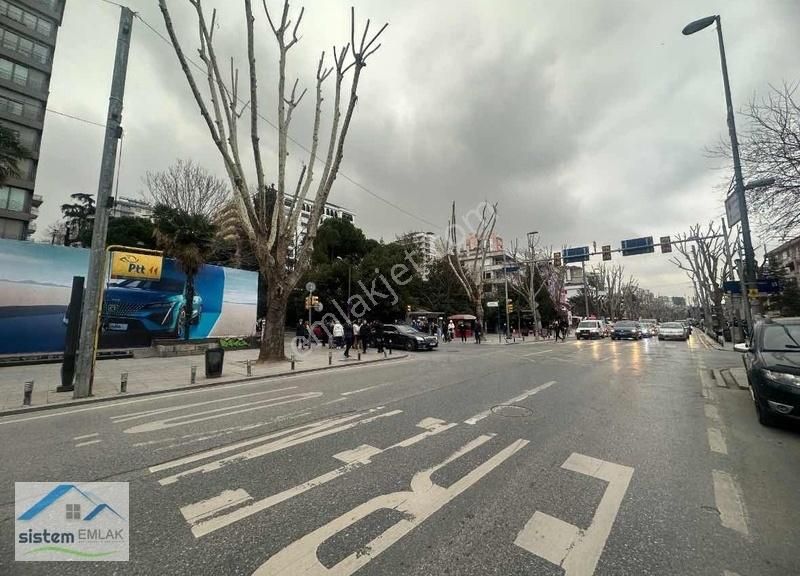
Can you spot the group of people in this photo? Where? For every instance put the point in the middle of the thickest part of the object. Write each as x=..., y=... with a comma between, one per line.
x=557, y=328
x=335, y=334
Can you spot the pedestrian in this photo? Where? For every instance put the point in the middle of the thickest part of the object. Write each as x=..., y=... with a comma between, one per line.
x=348, y=337
x=377, y=329
x=364, y=333
x=356, y=333
x=300, y=335
x=307, y=334
x=451, y=331
x=554, y=328
x=564, y=329
x=439, y=332
x=478, y=331
x=338, y=334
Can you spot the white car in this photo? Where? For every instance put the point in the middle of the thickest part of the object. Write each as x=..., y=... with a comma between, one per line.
x=672, y=331
x=590, y=329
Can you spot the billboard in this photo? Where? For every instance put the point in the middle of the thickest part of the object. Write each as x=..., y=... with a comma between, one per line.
x=35, y=284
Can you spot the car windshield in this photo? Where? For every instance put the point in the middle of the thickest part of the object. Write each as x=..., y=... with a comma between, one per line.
x=408, y=330
x=781, y=337
x=672, y=325
x=164, y=285
x=625, y=324
x=588, y=324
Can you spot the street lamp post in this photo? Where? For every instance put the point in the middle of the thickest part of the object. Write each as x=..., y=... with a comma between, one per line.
x=739, y=187
x=531, y=236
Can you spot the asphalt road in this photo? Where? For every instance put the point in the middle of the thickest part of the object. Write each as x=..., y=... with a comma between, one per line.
x=571, y=458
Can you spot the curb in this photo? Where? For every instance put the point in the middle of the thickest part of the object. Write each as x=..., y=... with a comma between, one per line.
x=95, y=400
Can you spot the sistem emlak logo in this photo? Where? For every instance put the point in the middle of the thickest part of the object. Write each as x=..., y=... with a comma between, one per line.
x=63, y=521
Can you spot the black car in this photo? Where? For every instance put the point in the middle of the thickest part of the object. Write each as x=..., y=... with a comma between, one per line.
x=402, y=336
x=772, y=361
x=627, y=330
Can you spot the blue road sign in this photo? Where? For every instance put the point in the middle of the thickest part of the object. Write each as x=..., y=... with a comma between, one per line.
x=768, y=286
x=732, y=286
x=571, y=255
x=638, y=246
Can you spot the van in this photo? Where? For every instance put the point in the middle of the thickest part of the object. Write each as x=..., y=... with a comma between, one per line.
x=590, y=329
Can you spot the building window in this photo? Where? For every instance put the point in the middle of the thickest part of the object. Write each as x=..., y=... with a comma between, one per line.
x=11, y=229
x=12, y=198
x=19, y=74
x=27, y=19
x=13, y=41
x=73, y=511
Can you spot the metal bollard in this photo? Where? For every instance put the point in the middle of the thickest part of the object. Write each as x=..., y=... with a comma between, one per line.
x=359, y=355
x=384, y=353
x=249, y=368
x=28, y=393
x=123, y=383
x=193, y=378
x=330, y=357
x=390, y=351
x=292, y=361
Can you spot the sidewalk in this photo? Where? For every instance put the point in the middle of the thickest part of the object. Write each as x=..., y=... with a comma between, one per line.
x=153, y=375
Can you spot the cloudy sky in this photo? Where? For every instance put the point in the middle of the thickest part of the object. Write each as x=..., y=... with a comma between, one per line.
x=585, y=120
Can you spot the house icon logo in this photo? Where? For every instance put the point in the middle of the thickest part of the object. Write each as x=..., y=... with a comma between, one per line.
x=60, y=521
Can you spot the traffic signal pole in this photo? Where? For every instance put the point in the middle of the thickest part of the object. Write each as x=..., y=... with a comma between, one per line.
x=90, y=318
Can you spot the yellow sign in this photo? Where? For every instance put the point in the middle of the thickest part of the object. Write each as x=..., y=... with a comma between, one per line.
x=138, y=266
x=752, y=292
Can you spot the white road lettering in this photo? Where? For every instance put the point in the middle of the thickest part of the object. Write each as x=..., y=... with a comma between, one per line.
x=566, y=545
x=87, y=443
x=275, y=446
x=417, y=505
x=353, y=459
x=481, y=415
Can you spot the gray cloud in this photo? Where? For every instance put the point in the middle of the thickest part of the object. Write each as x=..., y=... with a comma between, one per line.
x=585, y=121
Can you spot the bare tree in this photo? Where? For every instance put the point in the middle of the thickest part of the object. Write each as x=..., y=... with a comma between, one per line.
x=188, y=187
x=538, y=261
x=470, y=269
x=267, y=220
x=770, y=148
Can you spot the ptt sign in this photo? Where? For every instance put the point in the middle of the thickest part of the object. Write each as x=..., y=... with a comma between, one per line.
x=138, y=266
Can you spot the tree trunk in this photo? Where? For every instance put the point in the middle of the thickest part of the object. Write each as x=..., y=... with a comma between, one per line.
x=188, y=307
x=272, y=340
x=478, y=304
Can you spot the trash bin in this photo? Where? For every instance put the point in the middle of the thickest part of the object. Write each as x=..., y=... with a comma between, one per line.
x=214, y=358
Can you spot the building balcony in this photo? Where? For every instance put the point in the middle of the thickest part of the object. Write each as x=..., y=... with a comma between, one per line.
x=36, y=200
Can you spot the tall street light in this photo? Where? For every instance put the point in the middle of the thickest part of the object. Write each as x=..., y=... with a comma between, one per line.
x=531, y=237
x=739, y=187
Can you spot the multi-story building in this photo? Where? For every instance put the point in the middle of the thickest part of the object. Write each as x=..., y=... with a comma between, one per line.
x=131, y=207
x=329, y=211
x=28, y=30
x=493, y=243
x=788, y=256
x=423, y=245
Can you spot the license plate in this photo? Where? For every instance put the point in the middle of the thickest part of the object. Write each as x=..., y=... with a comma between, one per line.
x=117, y=326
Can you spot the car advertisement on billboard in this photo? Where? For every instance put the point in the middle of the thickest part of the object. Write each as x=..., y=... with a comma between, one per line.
x=35, y=285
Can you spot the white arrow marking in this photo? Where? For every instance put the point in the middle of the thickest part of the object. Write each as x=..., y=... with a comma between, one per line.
x=566, y=545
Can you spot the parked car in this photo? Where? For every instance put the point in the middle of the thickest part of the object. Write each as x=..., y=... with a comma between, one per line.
x=673, y=331
x=627, y=330
x=401, y=336
x=589, y=329
x=772, y=361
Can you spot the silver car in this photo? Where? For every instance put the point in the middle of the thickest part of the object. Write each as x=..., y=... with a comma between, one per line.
x=672, y=331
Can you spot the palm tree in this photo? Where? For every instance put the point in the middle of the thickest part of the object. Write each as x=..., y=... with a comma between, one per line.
x=11, y=152
x=189, y=239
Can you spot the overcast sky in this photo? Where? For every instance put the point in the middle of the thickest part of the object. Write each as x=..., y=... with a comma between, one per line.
x=584, y=120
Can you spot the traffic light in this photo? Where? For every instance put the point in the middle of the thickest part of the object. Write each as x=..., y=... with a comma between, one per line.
x=666, y=244
x=309, y=302
x=607, y=252
x=557, y=259
x=314, y=300
x=408, y=307
x=510, y=305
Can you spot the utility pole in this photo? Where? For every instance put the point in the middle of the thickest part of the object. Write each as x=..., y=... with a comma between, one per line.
x=736, y=327
x=93, y=294
x=585, y=289
x=505, y=278
x=531, y=236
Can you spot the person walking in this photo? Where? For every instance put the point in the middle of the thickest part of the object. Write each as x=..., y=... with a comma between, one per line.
x=300, y=335
x=338, y=334
x=564, y=329
x=364, y=332
x=348, y=337
x=451, y=331
x=478, y=331
x=377, y=329
x=356, y=334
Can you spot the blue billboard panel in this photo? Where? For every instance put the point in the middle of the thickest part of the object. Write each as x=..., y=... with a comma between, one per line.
x=35, y=284
x=638, y=246
x=571, y=255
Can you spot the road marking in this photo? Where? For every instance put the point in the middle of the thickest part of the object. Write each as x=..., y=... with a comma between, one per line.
x=716, y=441
x=365, y=389
x=566, y=545
x=352, y=459
x=729, y=502
x=87, y=443
x=729, y=573
x=535, y=353
x=705, y=382
x=334, y=401
x=481, y=415
x=416, y=506
x=145, y=413
x=195, y=513
x=86, y=436
x=204, y=415
x=275, y=446
x=711, y=412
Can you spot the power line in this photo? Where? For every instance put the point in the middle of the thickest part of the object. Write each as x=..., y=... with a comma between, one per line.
x=78, y=118
x=291, y=139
